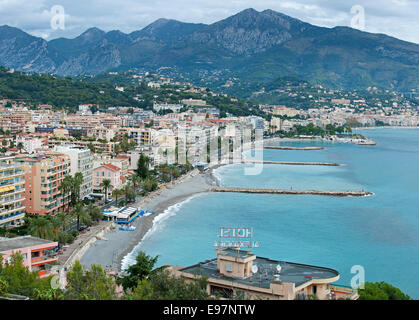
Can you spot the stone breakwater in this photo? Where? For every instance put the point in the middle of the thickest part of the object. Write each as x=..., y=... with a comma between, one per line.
x=293, y=148
x=286, y=191
x=295, y=163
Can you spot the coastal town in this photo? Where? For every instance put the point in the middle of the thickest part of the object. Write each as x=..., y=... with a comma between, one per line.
x=72, y=176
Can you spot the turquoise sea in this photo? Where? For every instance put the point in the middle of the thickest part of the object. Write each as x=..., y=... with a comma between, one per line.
x=379, y=232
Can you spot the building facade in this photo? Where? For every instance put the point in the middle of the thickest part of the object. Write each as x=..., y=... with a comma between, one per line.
x=12, y=193
x=237, y=273
x=81, y=161
x=107, y=171
x=37, y=253
x=43, y=176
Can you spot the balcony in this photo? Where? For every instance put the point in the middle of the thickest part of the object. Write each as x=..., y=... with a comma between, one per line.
x=339, y=292
x=37, y=261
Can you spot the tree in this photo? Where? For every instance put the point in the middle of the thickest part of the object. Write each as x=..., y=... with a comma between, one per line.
x=77, y=182
x=81, y=214
x=135, y=180
x=48, y=294
x=142, y=166
x=19, y=279
x=91, y=147
x=4, y=286
x=106, y=184
x=166, y=287
x=149, y=184
x=66, y=186
x=117, y=193
x=381, y=291
x=20, y=146
x=129, y=193
x=93, y=284
x=61, y=221
x=142, y=268
x=94, y=212
x=117, y=149
x=41, y=227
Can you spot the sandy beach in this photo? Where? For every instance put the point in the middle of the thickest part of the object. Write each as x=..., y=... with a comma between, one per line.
x=110, y=252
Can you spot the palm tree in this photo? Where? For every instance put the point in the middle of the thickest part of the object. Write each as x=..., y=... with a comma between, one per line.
x=106, y=184
x=77, y=182
x=81, y=214
x=41, y=227
x=65, y=187
x=135, y=180
x=61, y=221
x=116, y=193
x=128, y=192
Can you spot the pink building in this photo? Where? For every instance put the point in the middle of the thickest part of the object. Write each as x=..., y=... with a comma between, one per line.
x=37, y=253
x=107, y=171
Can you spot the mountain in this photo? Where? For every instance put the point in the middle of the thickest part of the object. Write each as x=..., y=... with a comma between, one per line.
x=251, y=46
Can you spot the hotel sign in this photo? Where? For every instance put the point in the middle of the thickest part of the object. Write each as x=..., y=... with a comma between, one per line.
x=236, y=238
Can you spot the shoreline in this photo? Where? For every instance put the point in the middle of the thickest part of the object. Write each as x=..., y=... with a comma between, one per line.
x=116, y=245
x=110, y=250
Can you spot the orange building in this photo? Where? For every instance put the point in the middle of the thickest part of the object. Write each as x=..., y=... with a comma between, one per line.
x=43, y=176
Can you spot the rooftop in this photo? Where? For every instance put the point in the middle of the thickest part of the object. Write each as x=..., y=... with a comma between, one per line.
x=267, y=271
x=21, y=242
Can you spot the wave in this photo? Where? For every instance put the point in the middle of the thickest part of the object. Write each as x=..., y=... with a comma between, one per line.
x=171, y=211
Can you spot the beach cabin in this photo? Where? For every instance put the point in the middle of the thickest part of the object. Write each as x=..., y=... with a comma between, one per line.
x=123, y=215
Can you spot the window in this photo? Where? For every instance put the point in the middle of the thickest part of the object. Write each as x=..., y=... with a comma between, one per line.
x=314, y=289
x=229, y=267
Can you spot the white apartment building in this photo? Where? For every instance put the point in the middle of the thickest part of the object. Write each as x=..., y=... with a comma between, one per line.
x=12, y=192
x=81, y=161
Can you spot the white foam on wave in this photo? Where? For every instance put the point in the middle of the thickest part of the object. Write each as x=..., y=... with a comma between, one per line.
x=158, y=224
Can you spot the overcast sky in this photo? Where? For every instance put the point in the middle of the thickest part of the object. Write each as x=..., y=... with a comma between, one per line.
x=398, y=18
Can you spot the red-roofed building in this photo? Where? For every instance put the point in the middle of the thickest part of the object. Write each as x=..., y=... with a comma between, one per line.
x=107, y=171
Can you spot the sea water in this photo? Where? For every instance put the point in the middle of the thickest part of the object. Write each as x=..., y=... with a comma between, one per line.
x=379, y=232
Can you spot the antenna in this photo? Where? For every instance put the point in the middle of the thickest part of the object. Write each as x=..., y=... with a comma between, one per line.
x=278, y=268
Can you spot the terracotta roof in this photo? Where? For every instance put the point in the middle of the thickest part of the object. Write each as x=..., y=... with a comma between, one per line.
x=112, y=167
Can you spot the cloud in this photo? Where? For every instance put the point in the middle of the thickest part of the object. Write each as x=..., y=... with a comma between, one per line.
x=393, y=17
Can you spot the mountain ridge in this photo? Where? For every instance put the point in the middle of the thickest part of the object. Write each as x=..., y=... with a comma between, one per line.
x=250, y=45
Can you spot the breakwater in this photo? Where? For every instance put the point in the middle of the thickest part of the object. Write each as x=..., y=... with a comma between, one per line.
x=293, y=148
x=288, y=191
x=297, y=163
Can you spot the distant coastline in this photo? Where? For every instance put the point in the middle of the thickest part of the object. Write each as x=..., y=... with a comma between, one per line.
x=384, y=127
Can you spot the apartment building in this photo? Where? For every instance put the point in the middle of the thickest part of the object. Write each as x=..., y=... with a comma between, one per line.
x=107, y=171
x=81, y=161
x=44, y=174
x=37, y=253
x=12, y=193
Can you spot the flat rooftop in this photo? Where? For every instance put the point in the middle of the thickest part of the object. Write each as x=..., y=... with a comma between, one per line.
x=21, y=242
x=267, y=270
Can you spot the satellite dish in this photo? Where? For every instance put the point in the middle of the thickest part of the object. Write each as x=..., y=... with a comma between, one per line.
x=278, y=268
x=255, y=269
